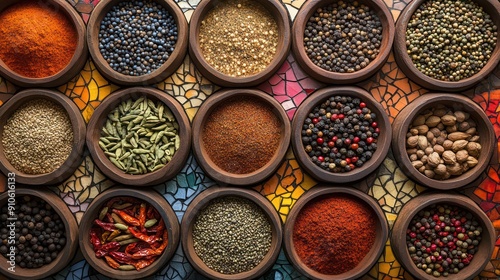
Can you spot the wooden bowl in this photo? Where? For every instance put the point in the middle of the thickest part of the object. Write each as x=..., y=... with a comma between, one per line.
x=74, y=66
x=368, y=261
x=407, y=115
x=280, y=13
x=204, y=199
x=170, y=66
x=75, y=116
x=71, y=227
x=383, y=141
x=217, y=173
x=412, y=207
x=150, y=196
x=405, y=63
x=99, y=118
x=299, y=25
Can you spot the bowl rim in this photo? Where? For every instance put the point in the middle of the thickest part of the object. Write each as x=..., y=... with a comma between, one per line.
x=325, y=190
x=150, y=196
x=205, y=198
x=282, y=17
x=77, y=123
x=99, y=117
x=410, y=209
x=76, y=63
x=174, y=61
x=407, y=115
x=388, y=31
x=217, y=173
x=383, y=144
x=66, y=255
x=406, y=65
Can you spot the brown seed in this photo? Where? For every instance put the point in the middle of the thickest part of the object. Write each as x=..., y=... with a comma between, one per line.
x=412, y=141
x=454, y=169
x=422, y=129
x=440, y=169
x=429, y=173
x=432, y=121
x=458, y=136
x=433, y=159
x=438, y=149
x=464, y=126
x=435, y=131
x=460, y=116
x=419, y=120
x=473, y=148
x=422, y=142
x=417, y=164
x=459, y=145
x=447, y=144
x=451, y=128
x=449, y=157
x=448, y=120
x=420, y=153
x=471, y=161
x=462, y=156
x=440, y=112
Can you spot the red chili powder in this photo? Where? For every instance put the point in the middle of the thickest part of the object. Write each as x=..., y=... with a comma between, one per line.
x=333, y=234
x=241, y=135
x=36, y=40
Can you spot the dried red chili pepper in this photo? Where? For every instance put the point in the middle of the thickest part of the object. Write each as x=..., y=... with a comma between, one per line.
x=109, y=218
x=150, y=212
x=121, y=257
x=127, y=218
x=164, y=243
x=144, y=237
x=111, y=262
x=105, y=226
x=107, y=248
x=144, y=263
x=94, y=238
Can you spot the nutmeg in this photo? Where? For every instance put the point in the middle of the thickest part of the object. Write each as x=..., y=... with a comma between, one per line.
x=433, y=159
x=438, y=149
x=473, y=148
x=448, y=120
x=462, y=156
x=432, y=121
x=413, y=157
x=471, y=161
x=435, y=131
x=422, y=129
x=412, y=141
x=417, y=164
x=440, y=169
x=420, y=153
x=419, y=120
x=440, y=112
x=449, y=157
x=459, y=145
x=411, y=151
x=447, y=144
x=422, y=142
x=429, y=173
x=463, y=126
x=451, y=128
x=460, y=116
x=440, y=140
x=454, y=169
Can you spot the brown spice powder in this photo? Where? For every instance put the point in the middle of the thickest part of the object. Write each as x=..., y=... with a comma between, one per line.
x=241, y=135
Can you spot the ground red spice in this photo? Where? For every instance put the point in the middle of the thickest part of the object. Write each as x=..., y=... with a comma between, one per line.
x=36, y=40
x=241, y=135
x=333, y=234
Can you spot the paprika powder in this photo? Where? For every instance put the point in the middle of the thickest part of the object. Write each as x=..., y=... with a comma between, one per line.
x=333, y=234
x=37, y=41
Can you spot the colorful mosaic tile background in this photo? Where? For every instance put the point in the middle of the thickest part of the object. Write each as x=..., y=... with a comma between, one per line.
x=290, y=86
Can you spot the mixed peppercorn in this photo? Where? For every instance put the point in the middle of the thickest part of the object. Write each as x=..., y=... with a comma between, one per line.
x=129, y=234
x=340, y=134
x=442, y=239
x=40, y=234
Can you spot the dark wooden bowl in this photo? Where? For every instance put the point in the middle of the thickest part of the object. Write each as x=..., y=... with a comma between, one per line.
x=407, y=115
x=412, y=207
x=299, y=25
x=204, y=199
x=77, y=122
x=170, y=66
x=99, y=118
x=383, y=141
x=220, y=175
x=368, y=261
x=71, y=227
x=492, y=7
x=280, y=13
x=150, y=196
x=74, y=66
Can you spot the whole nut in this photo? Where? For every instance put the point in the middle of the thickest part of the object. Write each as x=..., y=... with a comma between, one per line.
x=460, y=116
x=412, y=141
x=413, y=157
x=447, y=144
x=430, y=136
x=459, y=145
x=413, y=131
x=411, y=151
x=422, y=142
x=434, y=141
x=451, y=128
x=428, y=150
x=419, y=120
x=458, y=136
x=440, y=169
x=474, y=138
x=424, y=159
x=440, y=126
x=464, y=126
x=449, y=157
x=417, y=164
x=462, y=156
x=465, y=167
x=471, y=161
x=433, y=159
x=432, y=121
x=438, y=149
x=474, y=149
x=454, y=169
x=422, y=169
x=471, y=122
x=471, y=131
x=440, y=112
x=448, y=120
x=422, y=129
x=435, y=131
x=440, y=140
x=429, y=173
x=420, y=153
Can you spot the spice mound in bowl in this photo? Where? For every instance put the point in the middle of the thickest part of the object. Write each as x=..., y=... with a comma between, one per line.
x=238, y=38
x=129, y=234
x=36, y=42
x=40, y=233
x=136, y=38
x=231, y=235
x=333, y=234
x=442, y=239
x=450, y=40
x=343, y=36
x=140, y=136
x=442, y=143
x=340, y=134
x=38, y=137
